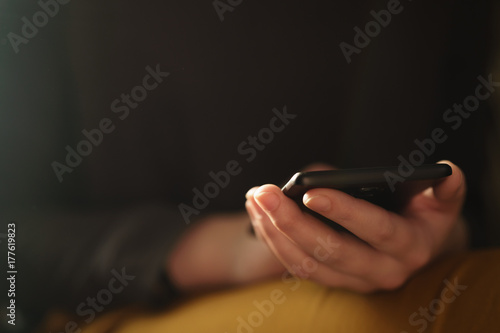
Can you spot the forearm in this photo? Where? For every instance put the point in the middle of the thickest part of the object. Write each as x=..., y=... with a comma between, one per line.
x=219, y=252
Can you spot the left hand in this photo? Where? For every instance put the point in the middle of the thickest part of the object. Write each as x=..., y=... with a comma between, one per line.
x=220, y=251
x=390, y=248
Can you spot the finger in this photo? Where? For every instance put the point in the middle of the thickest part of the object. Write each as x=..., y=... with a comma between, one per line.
x=452, y=188
x=250, y=192
x=299, y=263
x=253, y=218
x=340, y=251
x=445, y=196
x=442, y=202
x=263, y=228
x=384, y=230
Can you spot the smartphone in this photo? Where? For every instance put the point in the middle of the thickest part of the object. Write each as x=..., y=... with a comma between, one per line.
x=388, y=187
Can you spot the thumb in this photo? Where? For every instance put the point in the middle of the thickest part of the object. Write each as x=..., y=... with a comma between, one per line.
x=452, y=188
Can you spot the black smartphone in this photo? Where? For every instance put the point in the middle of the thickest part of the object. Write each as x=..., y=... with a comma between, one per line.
x=388, y=187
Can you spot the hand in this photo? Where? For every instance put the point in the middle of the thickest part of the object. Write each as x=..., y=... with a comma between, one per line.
x=220, y=251
x=390, y=248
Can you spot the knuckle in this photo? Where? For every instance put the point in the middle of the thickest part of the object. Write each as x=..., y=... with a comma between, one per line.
x=343, y=213
x=335, y=254
x=385, y=231
x=405, y=243
x=284, y=224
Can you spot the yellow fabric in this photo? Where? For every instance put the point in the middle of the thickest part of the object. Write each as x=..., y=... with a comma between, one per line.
x=302, y=306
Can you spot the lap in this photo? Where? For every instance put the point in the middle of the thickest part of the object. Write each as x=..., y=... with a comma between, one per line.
x=459, y=293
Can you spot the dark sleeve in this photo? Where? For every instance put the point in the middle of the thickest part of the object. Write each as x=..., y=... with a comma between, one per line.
x=63, y=257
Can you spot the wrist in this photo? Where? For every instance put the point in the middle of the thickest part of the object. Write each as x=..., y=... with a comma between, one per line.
x=204, y=257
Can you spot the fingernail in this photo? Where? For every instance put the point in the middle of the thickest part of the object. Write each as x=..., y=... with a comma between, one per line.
x=250, y=192
x=268, y=201
x=318, y=203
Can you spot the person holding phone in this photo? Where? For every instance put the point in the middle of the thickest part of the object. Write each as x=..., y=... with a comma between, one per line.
x=389, y=247
x=115, y=114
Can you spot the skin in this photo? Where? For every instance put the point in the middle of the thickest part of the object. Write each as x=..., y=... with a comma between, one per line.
x=388, y=250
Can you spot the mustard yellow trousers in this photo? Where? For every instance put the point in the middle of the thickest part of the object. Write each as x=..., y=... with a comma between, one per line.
x=456, y=294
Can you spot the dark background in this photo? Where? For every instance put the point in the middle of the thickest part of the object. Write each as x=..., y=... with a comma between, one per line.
x=226, y=77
